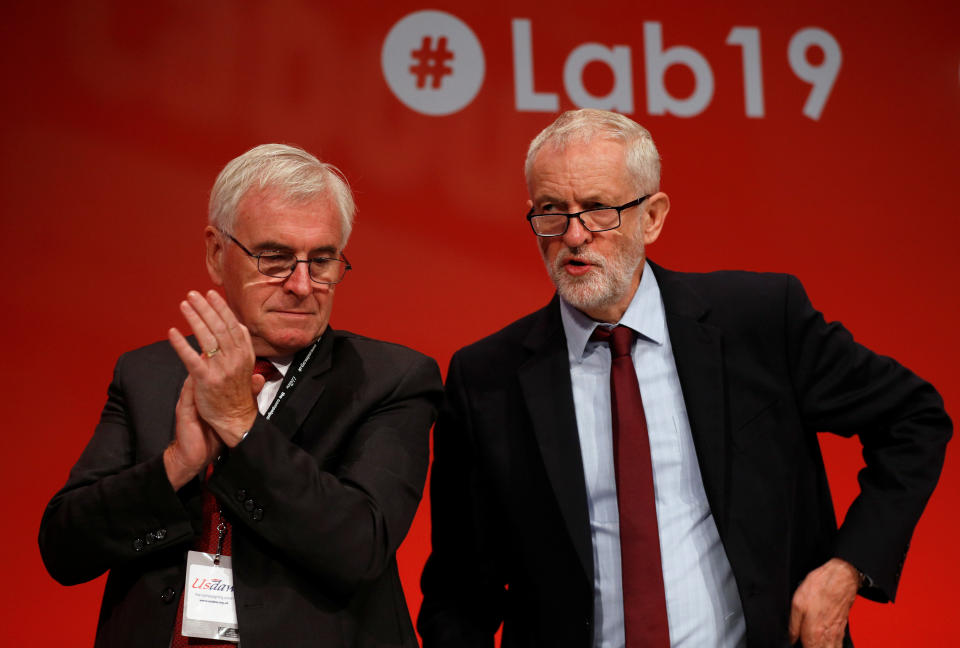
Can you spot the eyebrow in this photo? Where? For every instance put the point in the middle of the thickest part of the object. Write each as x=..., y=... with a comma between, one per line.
x=591, y=198
x=273, y=246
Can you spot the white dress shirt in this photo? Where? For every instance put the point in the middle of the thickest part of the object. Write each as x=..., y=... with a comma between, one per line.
x=703, y=605
x=271, y=387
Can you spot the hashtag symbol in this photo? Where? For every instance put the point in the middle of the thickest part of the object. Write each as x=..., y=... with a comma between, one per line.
x=431, y=62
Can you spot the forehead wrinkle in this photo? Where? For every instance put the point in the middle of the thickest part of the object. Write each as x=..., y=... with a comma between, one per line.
x=594, y=172
x=578, y=192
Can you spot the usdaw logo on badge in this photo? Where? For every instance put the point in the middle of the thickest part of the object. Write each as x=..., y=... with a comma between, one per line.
x=433, y=62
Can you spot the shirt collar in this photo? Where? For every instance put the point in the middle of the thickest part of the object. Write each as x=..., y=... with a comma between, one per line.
x=645, y=315
x=282, y=363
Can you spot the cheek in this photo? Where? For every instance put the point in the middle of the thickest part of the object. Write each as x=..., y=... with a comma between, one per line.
x=548, y=248
x=324, y=300
x=255, y=297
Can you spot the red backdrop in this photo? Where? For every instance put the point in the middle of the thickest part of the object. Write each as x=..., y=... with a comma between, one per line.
x=116, y=119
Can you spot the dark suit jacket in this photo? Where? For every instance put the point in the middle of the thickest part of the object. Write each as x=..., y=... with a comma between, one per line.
x=761, y=373
x=320, y=498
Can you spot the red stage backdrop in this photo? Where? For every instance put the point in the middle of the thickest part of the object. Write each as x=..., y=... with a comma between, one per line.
x=817, y=138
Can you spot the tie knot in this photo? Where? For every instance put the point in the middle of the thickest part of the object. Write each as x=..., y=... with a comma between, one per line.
x=620, y=338
x=266, y=369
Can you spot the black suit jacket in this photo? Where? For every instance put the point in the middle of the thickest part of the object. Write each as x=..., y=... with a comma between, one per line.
x=761, y=373
x=320, y=498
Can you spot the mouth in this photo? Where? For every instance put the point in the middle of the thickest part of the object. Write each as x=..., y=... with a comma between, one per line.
x=291, y=313
x=576, y=266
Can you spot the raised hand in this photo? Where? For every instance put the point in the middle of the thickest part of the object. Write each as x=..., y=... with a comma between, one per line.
x=221, y=372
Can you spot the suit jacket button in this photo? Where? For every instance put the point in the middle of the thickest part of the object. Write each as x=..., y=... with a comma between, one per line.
x=241, y=495
x=167, y=595
x=160, y=534
x=150, y=538
x=249, y=505
x=138, y=544
x=257, y=514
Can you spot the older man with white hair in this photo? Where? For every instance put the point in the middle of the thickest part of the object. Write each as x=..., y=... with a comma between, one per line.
x=636, y=464
x=254, y=481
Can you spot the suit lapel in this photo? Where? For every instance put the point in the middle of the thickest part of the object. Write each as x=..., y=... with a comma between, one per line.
x=698, y=351
x=290, y=415
x=545, y=382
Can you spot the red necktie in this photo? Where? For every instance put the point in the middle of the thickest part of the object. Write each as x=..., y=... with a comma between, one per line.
x=207, y=543
x=209, y=536
x=266, y=369
x=644, y=603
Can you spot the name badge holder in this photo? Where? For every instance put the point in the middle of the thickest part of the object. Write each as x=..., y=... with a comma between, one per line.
x=209, y=607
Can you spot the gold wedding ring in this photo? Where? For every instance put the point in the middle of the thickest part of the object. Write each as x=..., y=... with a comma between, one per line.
x=212, y=352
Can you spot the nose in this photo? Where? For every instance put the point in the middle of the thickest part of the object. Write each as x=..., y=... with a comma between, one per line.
x=576, y=234
x=299, y=282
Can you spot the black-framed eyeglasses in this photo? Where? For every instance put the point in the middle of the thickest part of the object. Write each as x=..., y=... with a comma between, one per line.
x=598, y=219
x=322, y=270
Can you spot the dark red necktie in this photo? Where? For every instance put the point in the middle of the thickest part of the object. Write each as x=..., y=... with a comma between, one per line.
x=209, y=536
x=644, y=603
x=266, y=369
x=207, y=543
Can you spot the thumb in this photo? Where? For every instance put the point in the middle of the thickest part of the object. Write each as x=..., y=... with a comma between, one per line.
x=256, y=384
x=796, y=620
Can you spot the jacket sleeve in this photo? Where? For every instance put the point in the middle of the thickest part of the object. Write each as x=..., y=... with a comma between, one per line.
x=463, y=588
x=844, y=388
x=340, y=518
x=117, y=505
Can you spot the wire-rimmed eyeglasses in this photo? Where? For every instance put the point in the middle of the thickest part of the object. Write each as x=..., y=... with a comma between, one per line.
x=322, y=270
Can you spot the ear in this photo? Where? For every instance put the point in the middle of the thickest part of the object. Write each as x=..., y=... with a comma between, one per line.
x=657, y=207
x=215, y=249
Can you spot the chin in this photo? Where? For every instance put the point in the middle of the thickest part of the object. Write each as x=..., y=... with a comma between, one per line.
x=586, y=300
x=586, y=292
x=286, y=342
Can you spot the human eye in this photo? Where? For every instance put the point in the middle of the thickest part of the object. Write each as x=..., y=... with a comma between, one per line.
x=594, y=205
x=274, y=260
x=547, y=208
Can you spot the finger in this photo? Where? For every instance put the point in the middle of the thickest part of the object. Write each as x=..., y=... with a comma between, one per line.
x=186, y=405
x=181, y=401
x=796, y=619
x=187, y=392
x=234, y=327
x=256, y=383
x=211, y=318
x=205, y=337
x=188, y=356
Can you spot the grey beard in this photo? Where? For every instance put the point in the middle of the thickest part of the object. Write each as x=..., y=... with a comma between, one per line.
x=607, y=284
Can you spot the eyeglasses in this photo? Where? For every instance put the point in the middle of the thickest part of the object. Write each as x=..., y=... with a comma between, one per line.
x=323, y=270
x=598, y=219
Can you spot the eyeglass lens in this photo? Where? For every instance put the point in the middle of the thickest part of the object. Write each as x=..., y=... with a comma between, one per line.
x=321, y=270
x=596, y=220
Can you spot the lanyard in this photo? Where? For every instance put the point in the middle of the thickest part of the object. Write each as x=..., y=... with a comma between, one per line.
x=301, y=361
x=299, y=365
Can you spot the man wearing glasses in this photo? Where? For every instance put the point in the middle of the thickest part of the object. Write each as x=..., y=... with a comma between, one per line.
x=636, y=464
x=255, y=480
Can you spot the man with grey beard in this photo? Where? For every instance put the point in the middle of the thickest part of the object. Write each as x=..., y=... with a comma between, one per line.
x=636, y=464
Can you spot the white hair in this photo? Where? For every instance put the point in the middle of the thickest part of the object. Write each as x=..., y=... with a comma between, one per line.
x=642, y=158
x=296, y=174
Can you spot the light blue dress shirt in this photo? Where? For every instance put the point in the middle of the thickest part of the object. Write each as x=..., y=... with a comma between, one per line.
x=703, y=605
